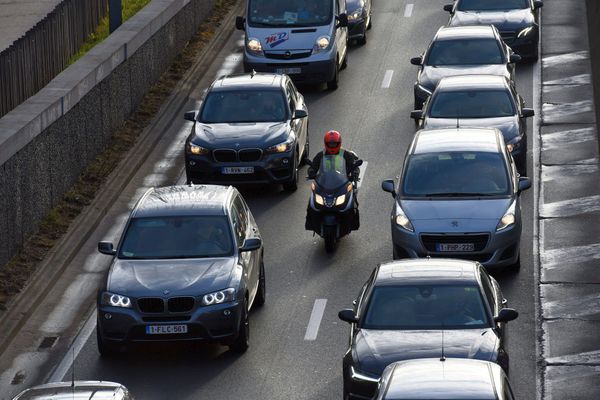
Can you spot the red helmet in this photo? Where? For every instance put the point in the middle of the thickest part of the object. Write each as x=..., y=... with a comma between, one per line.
x=333, y=142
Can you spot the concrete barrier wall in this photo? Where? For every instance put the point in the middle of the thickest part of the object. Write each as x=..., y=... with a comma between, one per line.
x=47, y=141
x=593, y=16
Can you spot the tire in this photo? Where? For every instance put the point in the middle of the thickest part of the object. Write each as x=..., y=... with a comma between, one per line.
x=242, y=341
x=333, y=84
x=306, y=152
x=345, y=62
x=399, y=253
x=516, y=267
x=330, y=239
x=104, y=348
x=363, y=40
x=261, y=293
x=292, y=185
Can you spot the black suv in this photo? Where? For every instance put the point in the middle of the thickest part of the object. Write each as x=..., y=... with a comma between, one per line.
x=251, y=128
x=189, y=266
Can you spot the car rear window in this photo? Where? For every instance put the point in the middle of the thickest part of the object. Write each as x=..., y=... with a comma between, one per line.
x=426, y=307
x=492, y=5
x=464, y=52
x=472, y=104
x=455, y=174
x=244, y=106
x=177, y=237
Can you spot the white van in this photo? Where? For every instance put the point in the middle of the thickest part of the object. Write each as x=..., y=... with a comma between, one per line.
x=306, y=39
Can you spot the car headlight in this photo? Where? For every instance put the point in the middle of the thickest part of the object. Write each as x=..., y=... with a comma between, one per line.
x=356, y=14
x=222, y=296
x=115, y=300
x=525, y=32
x=508, y=219
x=319, y=199
x=358, y=375
x=282, y=147
x=321, y=44
x=514, y=144
x=340, y=200
x=197, y=150
x=402, y=220
x=253, y=46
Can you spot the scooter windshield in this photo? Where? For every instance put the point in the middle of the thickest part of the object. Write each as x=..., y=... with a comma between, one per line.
x=332, y=173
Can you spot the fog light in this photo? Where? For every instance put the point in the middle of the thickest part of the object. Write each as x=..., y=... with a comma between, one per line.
x=107, y=316
x=226, y=313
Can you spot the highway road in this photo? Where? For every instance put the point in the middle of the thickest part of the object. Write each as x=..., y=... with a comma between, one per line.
x=288, y=357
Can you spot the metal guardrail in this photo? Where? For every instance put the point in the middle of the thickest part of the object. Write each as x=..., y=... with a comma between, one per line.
x=43, y=52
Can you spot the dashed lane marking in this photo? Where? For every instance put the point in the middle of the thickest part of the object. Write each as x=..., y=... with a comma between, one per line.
x=408, y=10
x=312, y=330
x=387, y=79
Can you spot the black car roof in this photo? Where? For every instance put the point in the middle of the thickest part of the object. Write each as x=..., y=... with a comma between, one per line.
x=465, y=32
x=427, y=271
x=184, y=200
x=251, y=81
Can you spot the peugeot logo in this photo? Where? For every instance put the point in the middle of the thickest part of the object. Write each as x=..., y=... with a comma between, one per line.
x=165, y=292
x=287, y=54
x=454, y=224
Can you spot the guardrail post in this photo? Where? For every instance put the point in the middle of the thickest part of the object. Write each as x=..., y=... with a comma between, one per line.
x=114, y=12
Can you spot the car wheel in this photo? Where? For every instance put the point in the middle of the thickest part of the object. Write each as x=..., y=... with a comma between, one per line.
x=261, y=293
x=306, y=153
x=292, y=185
x=399, y=253
x=242, y=341
x=363, y=40
x=105, y=348
x=333, y=84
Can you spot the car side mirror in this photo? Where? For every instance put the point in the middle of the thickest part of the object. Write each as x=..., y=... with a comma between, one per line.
x=348, y=315
x=342, y=20
x=240, y=23
x=388, y=186
x=300, y=113
x=527, y=112
x=416, y=114
x=524, y=183
x=416, y=60
x=538, y=4
x=448, y=7
x=106, y=248
x=514, y=58
x=506, y=315
x=251, y=244
x=190, y=116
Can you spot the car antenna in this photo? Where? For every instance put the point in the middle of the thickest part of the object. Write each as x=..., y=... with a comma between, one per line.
x=252, y=73
x=457, y=122
x=443, y=358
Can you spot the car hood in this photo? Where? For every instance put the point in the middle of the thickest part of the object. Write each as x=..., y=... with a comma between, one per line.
x=288, y=38
x=455, y=215
x=430, y=76
x=510, y=20
x=240, y=135
x=509, y=126
x=376, y=349
x=184, y=277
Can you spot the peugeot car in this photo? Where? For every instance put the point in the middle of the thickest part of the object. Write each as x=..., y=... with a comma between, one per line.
x=517, y=21
x=425, y=308
x=359, y=19
x=480, y=100
x=458, y=196
x=462, y=51
x=251, y=128
x=188, y=267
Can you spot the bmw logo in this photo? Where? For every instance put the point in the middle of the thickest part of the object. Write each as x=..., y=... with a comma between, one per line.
x=165, y=292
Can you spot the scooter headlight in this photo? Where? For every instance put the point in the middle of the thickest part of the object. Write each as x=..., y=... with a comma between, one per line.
x=340, y=200
x=319, y=199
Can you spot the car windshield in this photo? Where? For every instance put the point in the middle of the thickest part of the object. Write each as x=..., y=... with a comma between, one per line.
x=464, y=52
x=243, y=106
x=455, y=174
x=492, y=5
x=426, y=307
x=471, y=104
x=288, y=13
x=177, y=237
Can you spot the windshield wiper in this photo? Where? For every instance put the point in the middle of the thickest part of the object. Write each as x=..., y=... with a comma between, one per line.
x=459, y=194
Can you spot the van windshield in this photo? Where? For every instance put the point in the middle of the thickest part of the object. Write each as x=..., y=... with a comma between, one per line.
x=289, y=13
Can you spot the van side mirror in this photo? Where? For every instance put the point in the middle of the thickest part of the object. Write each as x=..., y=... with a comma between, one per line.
x=251, y=244
x=348, y=315
x=240, y=23
x=538, y=4
x=524, y=183
x=448, y=7
x=388, y=186
x=416, y=114
x=300, y=113
x=106, y=248
x=514, y=58
x=190, y=116
x=416, y=60
x=527, y=112
x=506, y=315
x=342, y=20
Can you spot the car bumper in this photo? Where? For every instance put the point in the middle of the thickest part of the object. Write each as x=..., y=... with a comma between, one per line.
x=357, y=29
x=218, y=323
x=501, y=250
x=314, y=69
x=272, y=168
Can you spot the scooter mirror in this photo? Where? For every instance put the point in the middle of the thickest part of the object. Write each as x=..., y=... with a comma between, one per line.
x=358, y=163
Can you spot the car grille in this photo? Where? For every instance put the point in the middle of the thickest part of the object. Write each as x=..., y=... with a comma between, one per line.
x=167, y=319
x=287, y=55
x=479, y=240
x=180, y=304
x=243, y=155
x=225, y=155
x=250, y=154
x=151, y=305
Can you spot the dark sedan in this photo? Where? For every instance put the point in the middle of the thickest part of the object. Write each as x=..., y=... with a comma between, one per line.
x=188, y=267
x=359, y=19
x=423, y=308
x=251, y=128
x=517, y=21
x=480, y=100
x=462, y=51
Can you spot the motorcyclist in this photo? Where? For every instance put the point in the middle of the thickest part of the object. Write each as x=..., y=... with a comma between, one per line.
x=333, y=147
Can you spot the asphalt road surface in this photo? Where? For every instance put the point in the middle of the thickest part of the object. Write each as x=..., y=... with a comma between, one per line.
x=371, y=109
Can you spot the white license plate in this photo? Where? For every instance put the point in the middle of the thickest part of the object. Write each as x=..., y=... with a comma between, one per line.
x=455, y=247
x=288, y=71
x=166, y=329
x=238, y=170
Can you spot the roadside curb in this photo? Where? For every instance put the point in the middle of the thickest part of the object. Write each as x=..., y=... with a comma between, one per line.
x=24, y=304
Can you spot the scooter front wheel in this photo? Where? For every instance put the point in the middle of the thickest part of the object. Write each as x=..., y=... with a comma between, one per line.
x=330, y=239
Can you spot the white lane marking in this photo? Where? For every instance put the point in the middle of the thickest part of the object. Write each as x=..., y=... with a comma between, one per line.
x=315, y=319
x=557, y=112
x=559, y=139
x=567, y=58
x=230, y=64
x=567, y=208
x=569, y=257
x=408, y=10
x=387, y=79
x=583, y=79
x=555, y=172
x=581, y=306
x=67, y=362
x=361, y=175
x=588, y=357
